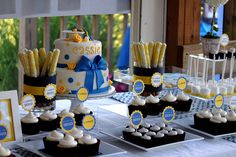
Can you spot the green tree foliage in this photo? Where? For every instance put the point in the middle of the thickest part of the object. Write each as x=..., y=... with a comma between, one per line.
x=10, y=38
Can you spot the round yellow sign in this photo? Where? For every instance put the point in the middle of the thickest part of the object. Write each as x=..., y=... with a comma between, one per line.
x=82, y=94
x=28, y=102
x=182, y=83
x=219, y=100
x=88, y=122
x=156, y=79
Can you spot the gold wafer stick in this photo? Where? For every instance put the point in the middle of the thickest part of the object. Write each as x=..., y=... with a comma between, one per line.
x=142, y=55
x=32, y=66
x=137, y=54
x=45, y=66
x=36, y=57
x=53, y=64
x=134, y=54
x=150, y=48
x=162, y=54
x=22, y=56
x=156, y=54
x=42, y=57
x=147, y=55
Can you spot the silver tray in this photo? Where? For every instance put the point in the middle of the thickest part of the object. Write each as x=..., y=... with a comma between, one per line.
x=110, y=93
x=187, y=122
x=117, y=134
x=105, y=149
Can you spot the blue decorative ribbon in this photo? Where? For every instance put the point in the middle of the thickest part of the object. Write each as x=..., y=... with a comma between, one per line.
x=92, y=68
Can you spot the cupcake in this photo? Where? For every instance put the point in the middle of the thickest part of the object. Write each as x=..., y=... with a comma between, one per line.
x=138, y=104
x=201, y=119
x=135, y=136
x=195, y=90
x=172, y=136
x=4, y=152
x=151, y=133
x=48, y=121
x=146, y=141
x=183, y=102
x=145, y=125
x=214, y=90
x=180, y=134
x=217, y=124
x=159, y=139
x=88, y=145
x=127, y=133
x=231, y=120
x=223, y=90
x=161, y=125
x=155, y=128
x=62, y=114
x=168, y=100
x=76, y=133
x=52, y=140
x=230, y=89
x=205, y=92
x=30, y=124
x=67, y=146
x=188, y=88
x=80, y=111
x=152, y=105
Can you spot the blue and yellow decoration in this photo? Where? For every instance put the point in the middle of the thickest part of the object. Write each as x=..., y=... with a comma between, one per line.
x=168, y=114
x=136, y=118
x=3, y=133
x=82, y=94
x=182, y=83
x=28, y=102
x=67, y=123
x=219, y=101
x=156, y=79
x=138, y=87
x=88, y=122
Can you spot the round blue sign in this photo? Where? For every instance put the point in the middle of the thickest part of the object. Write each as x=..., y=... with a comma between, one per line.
x=136, y=118
x=3, y=132
x=168, y=114
x=67, y=123
x=138, y=87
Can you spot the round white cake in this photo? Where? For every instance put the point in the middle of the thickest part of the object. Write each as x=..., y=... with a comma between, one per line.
x=81, y=65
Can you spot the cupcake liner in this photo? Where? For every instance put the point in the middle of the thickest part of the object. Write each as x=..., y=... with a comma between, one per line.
x=62, y=152
x=146, y=143
x=217, y=128
x=30, y=128
x=183, y=105
x=231, y=126
x=50, y=146
x=164, y=104
x=88, y=150
x=142, y=109
x=159, y=141
x=153, y=108
x=201, y=123
x=127, y=135
x=48, y=125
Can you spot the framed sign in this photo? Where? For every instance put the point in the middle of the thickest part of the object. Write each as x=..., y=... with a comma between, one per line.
x=10, y=126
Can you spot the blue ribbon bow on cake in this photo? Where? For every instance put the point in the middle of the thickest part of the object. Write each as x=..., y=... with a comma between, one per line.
x=92, y=68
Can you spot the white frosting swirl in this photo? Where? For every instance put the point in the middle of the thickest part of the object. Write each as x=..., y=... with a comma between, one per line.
x=67, y=142
x=181, y=96
x=151, y=133
x=87, y=139
x=4, y=151
x=172, y=133
x=231, y=116
x=81, y=109
x=138, y=101
x=143, y=130
x=30, y=118
x=218, y=119
x=168, y=128
x=55, y=136
x=76, y=133
x=146, y=137
x=179, y=131
x=204, y=114
x=155, y=128
x=48, y=116
x=65, y=112
x=163, y=131
x=159, y=135
x=161, y=124
x=145, y=125
x=138, y=134
x=169, y=97
x=129, y=129
x=152, y=99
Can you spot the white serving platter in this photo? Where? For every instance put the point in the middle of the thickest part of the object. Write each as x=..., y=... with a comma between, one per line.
x=117, y=134
x=188, y=122
x=105, y=149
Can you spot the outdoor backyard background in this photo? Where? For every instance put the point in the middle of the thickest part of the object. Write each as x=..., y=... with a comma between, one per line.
x=9, y=42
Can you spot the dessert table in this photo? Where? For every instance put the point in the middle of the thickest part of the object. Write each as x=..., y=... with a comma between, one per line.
x=111, y=113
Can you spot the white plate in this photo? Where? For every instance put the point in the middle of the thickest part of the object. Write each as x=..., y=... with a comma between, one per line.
x=187, y=122
x=105, y=148
x=110, y=93
x=117, y=134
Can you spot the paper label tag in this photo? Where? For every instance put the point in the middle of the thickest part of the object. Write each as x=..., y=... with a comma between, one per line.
x=67, y=123
x=28, y=102
x=88, y=122
x=224, y=40
x=3, y=132
x=219, y=100
x=50, y=91
x=168, y=114
x=156, y=79
x=82, y=94
x=136, y=118
x=138, y=87
x=182, y=83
